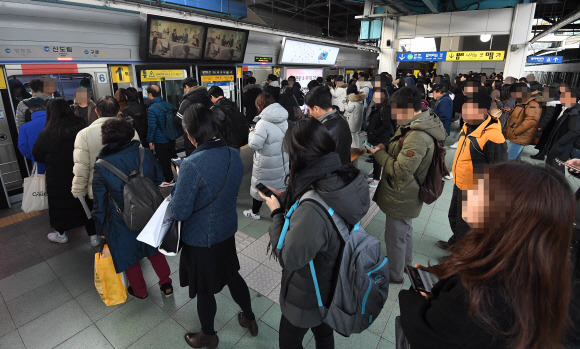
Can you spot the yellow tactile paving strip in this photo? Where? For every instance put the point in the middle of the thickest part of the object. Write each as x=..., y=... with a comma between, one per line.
x=18, y=217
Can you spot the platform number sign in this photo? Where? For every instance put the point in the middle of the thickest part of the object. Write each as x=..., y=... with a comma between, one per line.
x=102, y=78
x=120, y=74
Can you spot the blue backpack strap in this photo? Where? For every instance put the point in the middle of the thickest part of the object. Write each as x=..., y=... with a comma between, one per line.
x=313, y=272
x=286, y=225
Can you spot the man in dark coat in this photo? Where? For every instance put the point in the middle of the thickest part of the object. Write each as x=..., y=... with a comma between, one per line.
x=566, y=131
x=319, y=106
x=296, y=90
x=223, y=109
x=249, y=94
x=136, y=113
x=192, y=94
x=273, y=86
x=380, y=126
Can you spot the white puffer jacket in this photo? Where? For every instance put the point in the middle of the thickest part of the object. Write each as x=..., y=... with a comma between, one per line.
x=353, y=111
x=270, y=165
x=87, y=146
x=339, y=95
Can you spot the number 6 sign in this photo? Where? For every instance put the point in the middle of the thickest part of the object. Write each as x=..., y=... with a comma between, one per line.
x=102, y=78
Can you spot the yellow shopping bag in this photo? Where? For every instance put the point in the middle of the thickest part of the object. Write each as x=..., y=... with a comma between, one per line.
x=109, y=284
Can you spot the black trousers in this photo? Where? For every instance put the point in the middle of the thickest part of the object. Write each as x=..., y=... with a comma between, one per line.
x=458, y=226
x=90, y=224
x=376, y=170
x=207, y=307
x=164, y=153
x=256, y=205
x=291, y=337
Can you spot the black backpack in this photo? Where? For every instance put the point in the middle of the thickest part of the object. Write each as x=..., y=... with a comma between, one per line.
x=141, y=197
x=432, y=188
x=237, y=128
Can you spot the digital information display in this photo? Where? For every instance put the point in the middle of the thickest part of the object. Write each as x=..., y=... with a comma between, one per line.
x=175, y=40
x=297, y=52
x=225, y=45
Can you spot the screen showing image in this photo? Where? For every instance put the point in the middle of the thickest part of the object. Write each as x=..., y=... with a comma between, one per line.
x=297, y=52
x=225, y=45
x=175, y=40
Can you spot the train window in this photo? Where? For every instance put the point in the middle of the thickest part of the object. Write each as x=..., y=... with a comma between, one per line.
x=63, y=85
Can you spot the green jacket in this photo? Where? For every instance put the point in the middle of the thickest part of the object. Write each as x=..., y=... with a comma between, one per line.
x=398, y=192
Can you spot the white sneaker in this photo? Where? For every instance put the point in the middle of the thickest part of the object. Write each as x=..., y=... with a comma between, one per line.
x=95, y=240
x=454, y=145
x=167, y=184
x=374, y=184
x=250, y=214
x=56, y=237
x=450, y=176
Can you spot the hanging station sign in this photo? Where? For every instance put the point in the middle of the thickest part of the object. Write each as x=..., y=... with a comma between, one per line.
x=450, y=56
x=545, y=59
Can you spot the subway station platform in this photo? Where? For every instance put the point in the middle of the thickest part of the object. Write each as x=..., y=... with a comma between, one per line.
x=48, y=298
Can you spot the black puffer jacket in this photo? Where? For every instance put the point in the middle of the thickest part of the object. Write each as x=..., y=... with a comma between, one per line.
x=136, y=114
x=249, y=95
x=312, y=235
x=380, y=128
x=223, y=109
x=340, y=132
x=565, y=133
x=197, y=94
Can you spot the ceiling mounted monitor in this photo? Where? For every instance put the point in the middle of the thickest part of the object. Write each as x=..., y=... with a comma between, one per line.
x=298, y=52
x=224, y=44
x=170, y=39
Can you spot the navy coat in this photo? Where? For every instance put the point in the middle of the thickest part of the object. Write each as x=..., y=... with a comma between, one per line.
x=125, y=249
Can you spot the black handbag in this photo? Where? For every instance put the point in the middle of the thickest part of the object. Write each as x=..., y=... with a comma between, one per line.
x=401, y=341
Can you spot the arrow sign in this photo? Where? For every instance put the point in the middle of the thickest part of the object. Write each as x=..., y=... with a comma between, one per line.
x=401, y=57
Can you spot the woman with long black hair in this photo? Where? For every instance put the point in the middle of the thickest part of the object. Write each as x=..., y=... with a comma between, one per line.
x=54, y=147
x=507, y=281
x=314, y=165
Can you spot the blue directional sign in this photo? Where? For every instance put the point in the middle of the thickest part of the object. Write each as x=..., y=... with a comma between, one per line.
x=421, y=56
x=545, y=59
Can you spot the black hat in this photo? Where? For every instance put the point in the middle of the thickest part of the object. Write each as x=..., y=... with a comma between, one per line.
x=36, y=102
x=439, y=87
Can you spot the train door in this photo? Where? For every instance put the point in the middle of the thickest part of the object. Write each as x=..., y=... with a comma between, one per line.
x=10, y=163
x=64, y=80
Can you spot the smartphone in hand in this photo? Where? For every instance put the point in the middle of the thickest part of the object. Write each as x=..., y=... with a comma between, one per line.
x=264, y=190
x=577, y=170
x=421, y=280
x=368, y=144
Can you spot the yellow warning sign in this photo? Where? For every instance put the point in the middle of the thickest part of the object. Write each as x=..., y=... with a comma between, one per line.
x=159, y=75
x=239, y=72
x=2, y=80
x=215, y=78
x=475, y=56
x=120, y=74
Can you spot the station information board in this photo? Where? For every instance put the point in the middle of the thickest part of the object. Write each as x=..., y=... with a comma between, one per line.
x=157, y=75
x=450, y=56
x=545, y=59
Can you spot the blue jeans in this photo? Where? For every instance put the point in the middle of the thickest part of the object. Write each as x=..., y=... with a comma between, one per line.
x=515, y=151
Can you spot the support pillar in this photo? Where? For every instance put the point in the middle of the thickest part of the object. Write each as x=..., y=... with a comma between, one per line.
x=388, y=55
x=449, y=43
x=521, y=33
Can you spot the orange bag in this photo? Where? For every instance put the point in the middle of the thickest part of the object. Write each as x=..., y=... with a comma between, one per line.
x=109, y=284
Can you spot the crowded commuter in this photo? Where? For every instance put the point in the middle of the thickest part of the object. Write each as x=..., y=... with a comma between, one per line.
x=353, y=113
x=381, y=126
x=163, y=147
x=272, y=86
x=270, y=165
x=311, y=234
x=126, y=155
x=192, y=94
x=136, y=113
x=566, y=131
x=205, y=198
x=366, y=87
x=338, y=93
x=405, y=160
x=318, y=102
x=224, y=110
x=495, y=93
x=443, y=106
x=54, y=147
x=522, y=123
x=312, y=84
x=18, y=92
x=296, y=90
x=481, y=142
x=87, y=146
x=121, y=98
x=30, y=130
x=551, y=110
x=249, y=94
x=37, y=87
x=498, y=287
x=84, y=107
x=290, y=103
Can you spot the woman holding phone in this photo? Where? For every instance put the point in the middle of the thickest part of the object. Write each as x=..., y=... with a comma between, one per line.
x=498, y=288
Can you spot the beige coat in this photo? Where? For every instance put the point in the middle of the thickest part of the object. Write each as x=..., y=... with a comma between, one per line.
x=87, y=146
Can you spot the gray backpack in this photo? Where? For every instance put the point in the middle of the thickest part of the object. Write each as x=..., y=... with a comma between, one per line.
x=362, y=285
x=141, y=197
